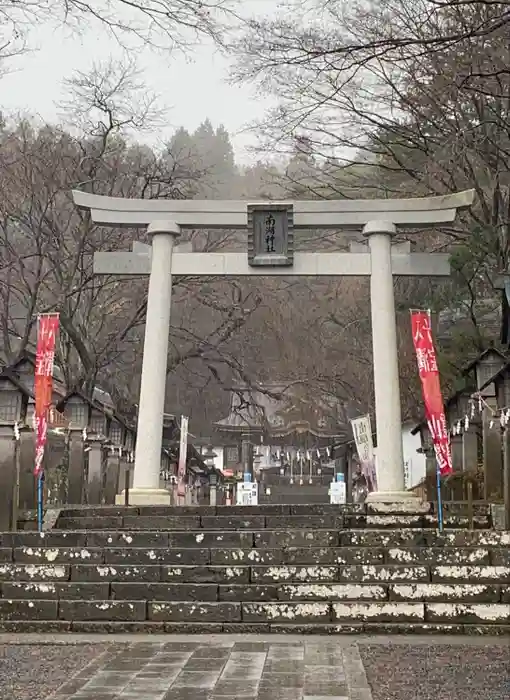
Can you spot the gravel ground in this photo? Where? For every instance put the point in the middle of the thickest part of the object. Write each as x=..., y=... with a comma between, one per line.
x=30, y=672
x=400, y=672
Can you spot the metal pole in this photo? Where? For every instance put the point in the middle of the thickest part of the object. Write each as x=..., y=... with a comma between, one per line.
x=439, y=498
x=40, y=493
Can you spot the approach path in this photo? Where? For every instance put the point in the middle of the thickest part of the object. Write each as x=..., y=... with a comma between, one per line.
x=153, y=667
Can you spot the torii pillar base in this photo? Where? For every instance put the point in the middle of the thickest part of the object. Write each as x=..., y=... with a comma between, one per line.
x=388, y=502
x=145, y=497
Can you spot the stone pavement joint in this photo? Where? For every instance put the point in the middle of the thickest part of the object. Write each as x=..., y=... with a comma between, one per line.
x=309, y=670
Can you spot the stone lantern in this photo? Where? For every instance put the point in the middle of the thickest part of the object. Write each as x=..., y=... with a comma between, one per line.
x=76, y=409
x=427, y=449
x=99, y=420
x=165, y=466
x=127, y=464
x=130, y=440
x=209, y=456
x=484, y=368
x=464, y=445
x=88, y=426
x=116, y=432
x=213, y=483
x=16, y=451
x=501, y=382
x=13, y=400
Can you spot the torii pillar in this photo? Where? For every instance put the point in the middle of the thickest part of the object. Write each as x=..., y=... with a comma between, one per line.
x=272, y=224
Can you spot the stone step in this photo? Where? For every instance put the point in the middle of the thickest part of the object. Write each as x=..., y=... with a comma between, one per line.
x=452, y=508
x=271, y=539
x=288, y=592
x=210, y=522
x=283, y=481
x=310, y=569
x=306, y=489
x=129, y=554
x=294, y=497
x=417, y=537
x=260, y=628
x=285, y=488
x=270, y=522
x=240, y=574
x=345, y=612
x=268, y=509
x=498, y=556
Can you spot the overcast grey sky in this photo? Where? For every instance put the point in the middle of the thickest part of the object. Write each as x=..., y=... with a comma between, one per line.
x=192, y=88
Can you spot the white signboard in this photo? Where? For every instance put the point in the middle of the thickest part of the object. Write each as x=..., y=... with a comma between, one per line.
x=183, y=449
x=407, y=474
x=247, y=493
x=362, y=430
x=337, y=492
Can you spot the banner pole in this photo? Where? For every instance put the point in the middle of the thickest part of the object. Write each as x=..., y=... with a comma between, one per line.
x=439, y=499
x=40, y=482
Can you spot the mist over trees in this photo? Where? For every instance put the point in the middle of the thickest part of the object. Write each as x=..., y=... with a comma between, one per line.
x=165, y=24
x=400, y=98
x=389, y=99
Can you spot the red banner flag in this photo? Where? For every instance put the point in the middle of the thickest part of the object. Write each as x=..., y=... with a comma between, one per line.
x=45, y=354
x=432, y=398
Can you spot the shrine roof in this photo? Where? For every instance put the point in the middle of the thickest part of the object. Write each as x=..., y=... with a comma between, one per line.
x=281, y=410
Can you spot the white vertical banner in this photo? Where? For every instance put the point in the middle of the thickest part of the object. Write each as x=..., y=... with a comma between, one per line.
x=362, y=431
x=407, y=474
x=183, y=449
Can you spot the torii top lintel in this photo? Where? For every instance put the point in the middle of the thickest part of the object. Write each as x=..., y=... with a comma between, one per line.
x=232, y=214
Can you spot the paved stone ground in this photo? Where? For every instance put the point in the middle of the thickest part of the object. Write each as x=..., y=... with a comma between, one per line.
x=224, y=671
x=252, y=668
x=33, y=671
x=201, y=669
x=438, y=672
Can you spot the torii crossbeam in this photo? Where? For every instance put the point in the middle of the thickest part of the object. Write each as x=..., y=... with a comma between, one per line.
x=270, y=252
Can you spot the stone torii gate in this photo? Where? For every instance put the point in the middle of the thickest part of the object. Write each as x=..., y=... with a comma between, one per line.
x=270, y=228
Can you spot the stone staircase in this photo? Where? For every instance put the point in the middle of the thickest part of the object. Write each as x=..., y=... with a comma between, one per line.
x=280, y=480
x=283, y=492
x=295, y=494
x=273, y=568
